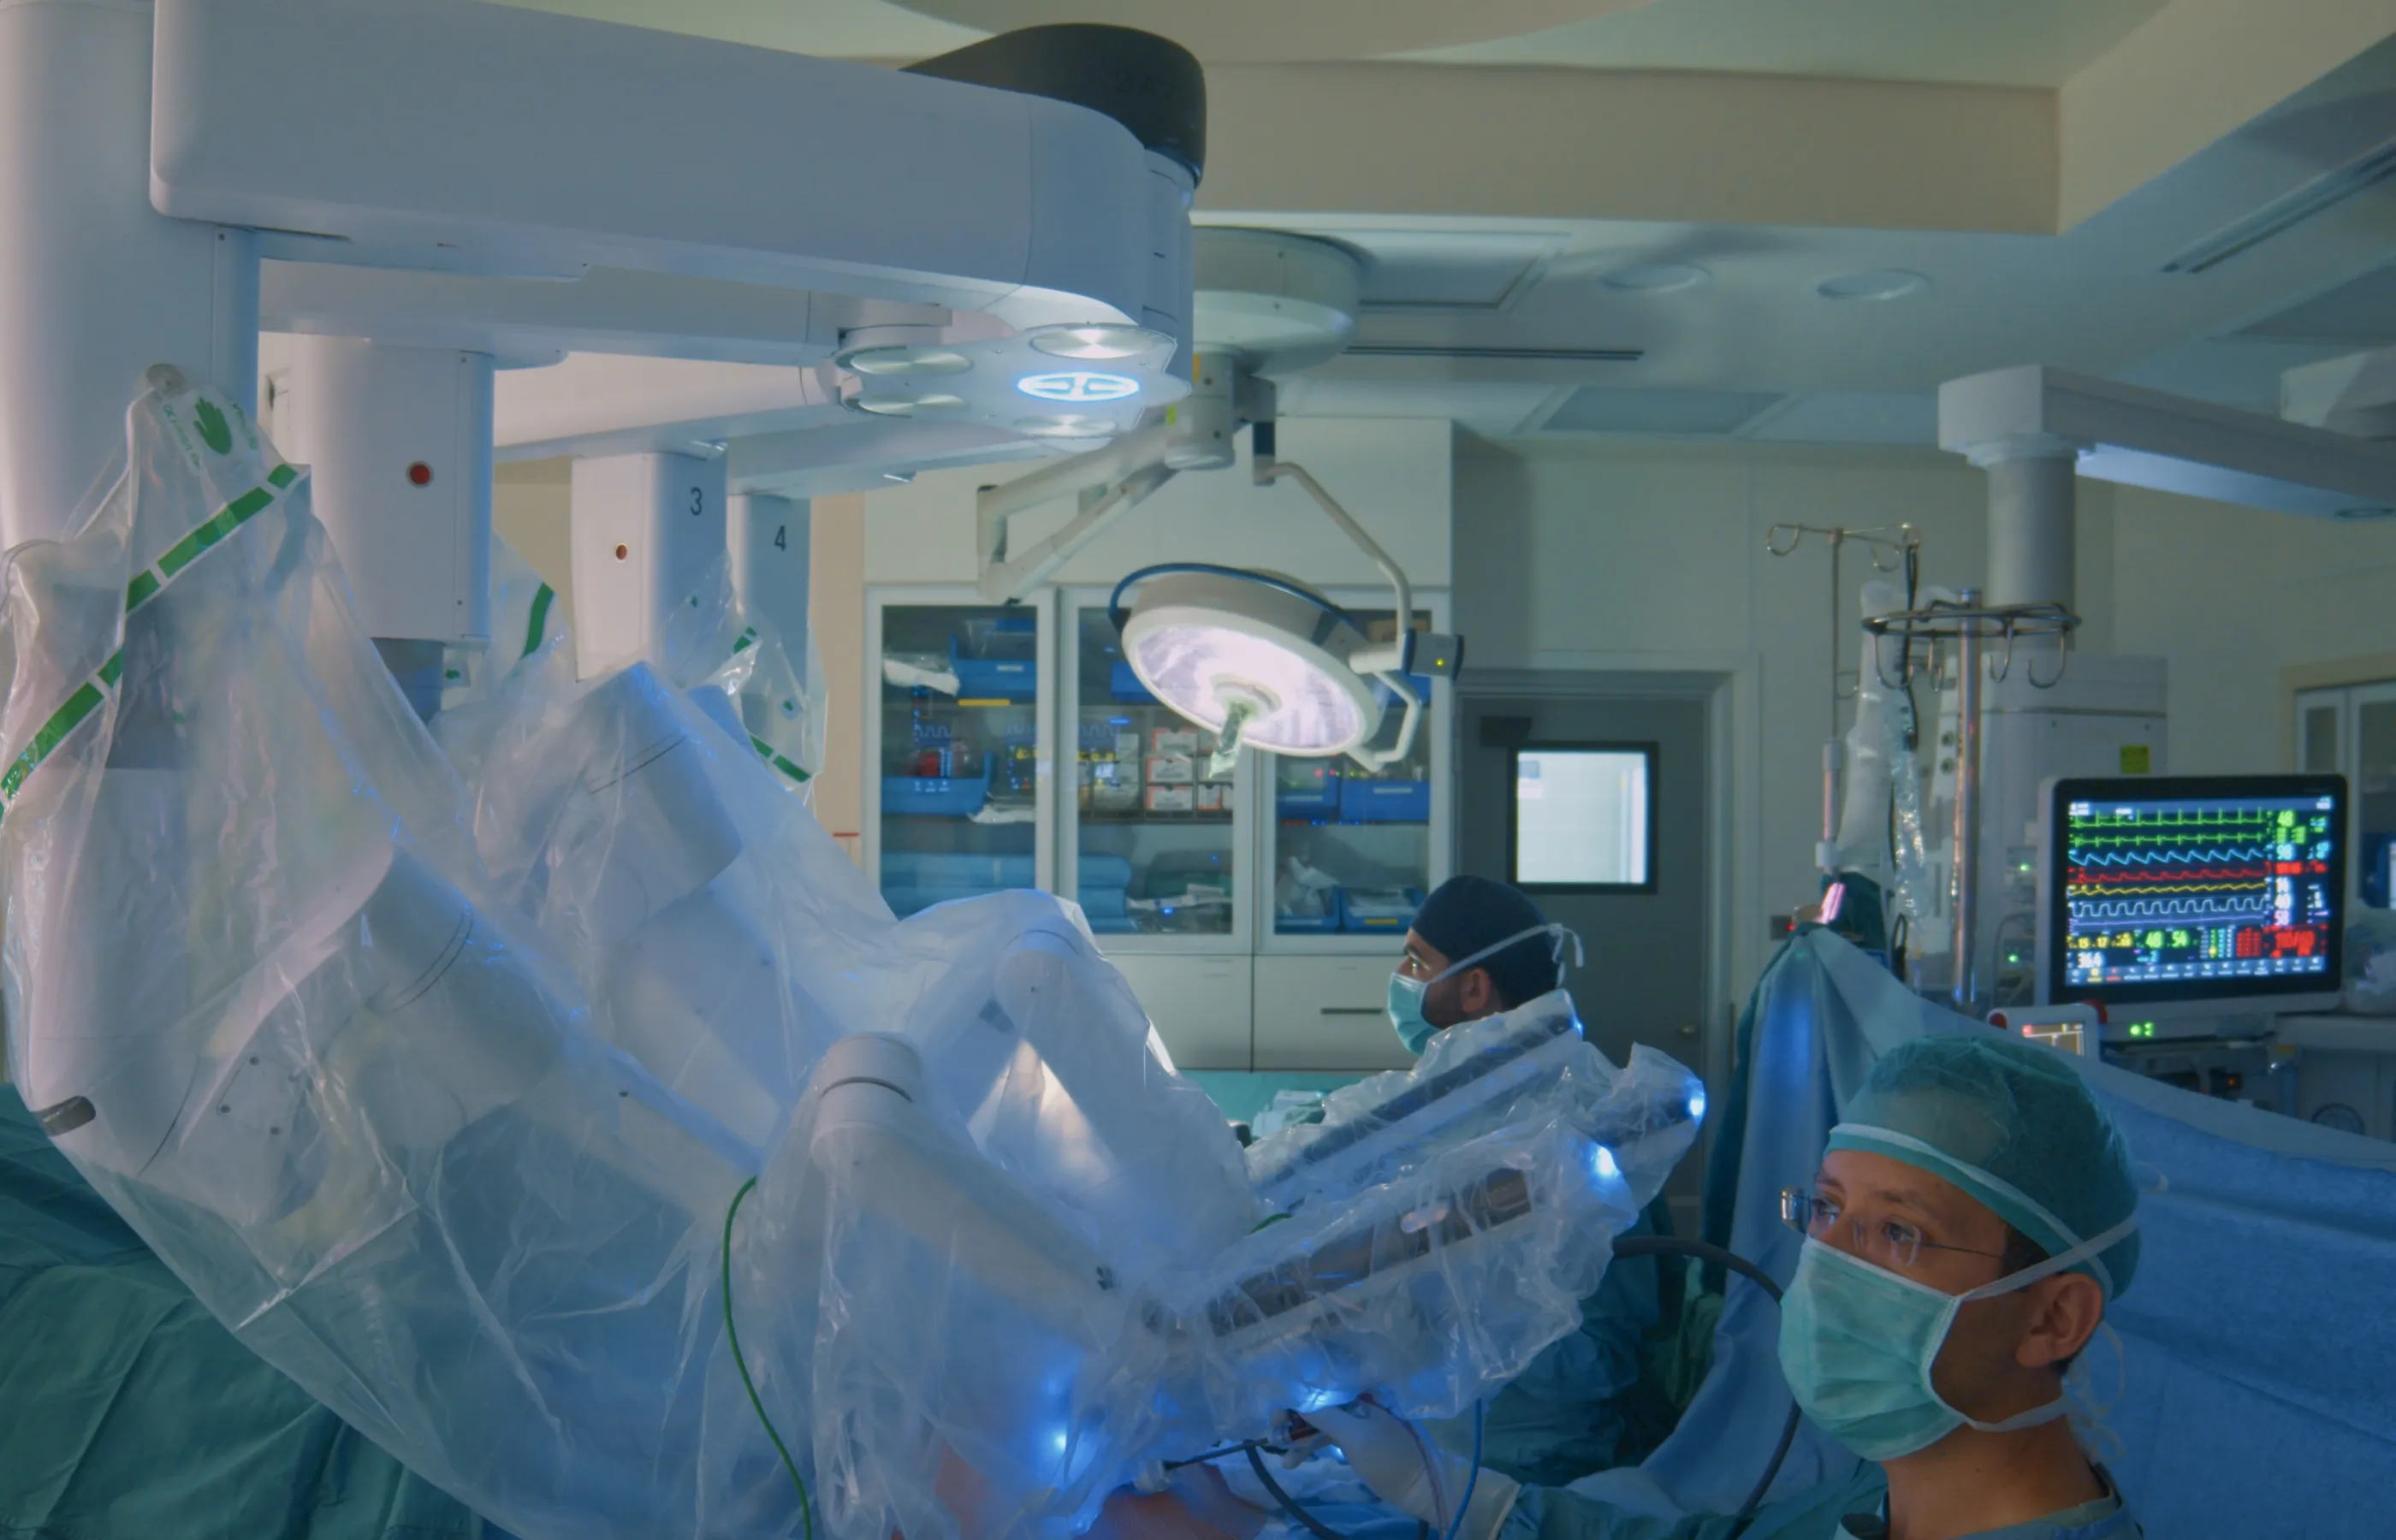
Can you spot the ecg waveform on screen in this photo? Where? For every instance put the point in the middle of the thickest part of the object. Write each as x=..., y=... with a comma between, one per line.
x=2163, y=891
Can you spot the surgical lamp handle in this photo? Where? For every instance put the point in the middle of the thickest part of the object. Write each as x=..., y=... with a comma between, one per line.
x=1373, y=759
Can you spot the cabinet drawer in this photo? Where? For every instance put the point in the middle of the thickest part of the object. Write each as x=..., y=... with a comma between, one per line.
x=1326, y=1013
x=1200, y=1005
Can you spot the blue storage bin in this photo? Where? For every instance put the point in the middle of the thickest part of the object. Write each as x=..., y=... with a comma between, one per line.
x=1001, y=678
x=1377, y=919
x=1125, y=686
x=1317, y=796
x=1384, y=801
x=1108, y=903
x=1311, y=925
x=1103, y=872
x=936, y=796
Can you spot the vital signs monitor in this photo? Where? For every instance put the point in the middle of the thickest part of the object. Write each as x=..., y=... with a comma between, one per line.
x=2192, y=896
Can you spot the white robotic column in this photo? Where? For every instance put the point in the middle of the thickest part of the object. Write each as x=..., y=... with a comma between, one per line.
x=769, y=566
x=645, y=530
x=399, y=443
x=2032, y=518
x=95, y=286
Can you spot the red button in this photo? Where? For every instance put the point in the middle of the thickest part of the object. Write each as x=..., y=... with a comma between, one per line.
x=420, y=474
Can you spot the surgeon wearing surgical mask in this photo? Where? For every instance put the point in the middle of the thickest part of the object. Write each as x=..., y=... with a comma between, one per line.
x=1971, y=1222
x=1599, y=1398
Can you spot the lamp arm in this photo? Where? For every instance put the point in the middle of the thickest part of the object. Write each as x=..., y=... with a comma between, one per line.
x=1365, y=543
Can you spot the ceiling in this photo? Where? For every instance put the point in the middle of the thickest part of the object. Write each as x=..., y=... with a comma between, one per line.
x=2039, y=43
x=2037, y=163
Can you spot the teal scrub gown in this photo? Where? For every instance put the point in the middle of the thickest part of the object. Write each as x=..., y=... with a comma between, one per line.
x=1836, y=1510
x=128, y=1412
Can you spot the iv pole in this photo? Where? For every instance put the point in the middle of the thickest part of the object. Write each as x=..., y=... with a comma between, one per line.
x=1892, y=548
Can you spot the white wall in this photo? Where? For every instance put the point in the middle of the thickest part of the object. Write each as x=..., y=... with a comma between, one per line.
x=1651, y=557
x=2239, y=599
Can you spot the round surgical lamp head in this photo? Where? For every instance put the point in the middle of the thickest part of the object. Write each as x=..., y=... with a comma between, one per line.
x=1220, y=645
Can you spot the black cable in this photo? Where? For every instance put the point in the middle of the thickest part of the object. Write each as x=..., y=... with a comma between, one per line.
x=1720, y=1256
x=1320, y=1530
x=1214, y=1455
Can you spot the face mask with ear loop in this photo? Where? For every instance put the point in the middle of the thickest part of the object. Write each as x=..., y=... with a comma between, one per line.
x=1406, y=1001
x=1858, y=1343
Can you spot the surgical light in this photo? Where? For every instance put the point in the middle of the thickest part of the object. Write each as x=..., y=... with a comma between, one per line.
x=1259, y=659
x=1078, y=385
x=1099, y=344
x=1254, y=657
x=904, y=360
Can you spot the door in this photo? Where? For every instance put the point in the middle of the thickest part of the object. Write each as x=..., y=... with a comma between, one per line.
x=1645, y=940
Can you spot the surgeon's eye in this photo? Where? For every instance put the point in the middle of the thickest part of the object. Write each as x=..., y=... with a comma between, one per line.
x=1901, y=1242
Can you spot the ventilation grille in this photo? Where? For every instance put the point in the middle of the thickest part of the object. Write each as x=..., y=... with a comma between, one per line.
x=2287, y=211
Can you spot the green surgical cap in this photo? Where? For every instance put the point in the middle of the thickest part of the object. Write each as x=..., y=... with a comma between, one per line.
x=2014, y=1125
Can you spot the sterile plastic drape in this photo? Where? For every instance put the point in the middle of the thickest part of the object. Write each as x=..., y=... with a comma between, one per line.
x=437, y=1076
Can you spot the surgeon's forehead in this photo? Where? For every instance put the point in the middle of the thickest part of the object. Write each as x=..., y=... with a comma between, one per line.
x=1860, y=1177
x=1423, y=952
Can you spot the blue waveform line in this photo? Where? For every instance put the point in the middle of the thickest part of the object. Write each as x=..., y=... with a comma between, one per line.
x=2160, y=857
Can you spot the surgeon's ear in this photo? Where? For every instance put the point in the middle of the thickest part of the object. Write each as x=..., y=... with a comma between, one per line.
x=2066, y=1310
x=1477, y=993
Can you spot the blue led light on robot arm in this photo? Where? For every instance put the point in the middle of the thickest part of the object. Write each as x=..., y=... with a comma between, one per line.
x=1078, y=385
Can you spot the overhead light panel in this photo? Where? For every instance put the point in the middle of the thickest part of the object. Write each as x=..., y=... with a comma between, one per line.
x=904, y=360
x=1099, y=344
x=916, y=403
x=1065, y=425
x=1654, y=277
x=1872, y=283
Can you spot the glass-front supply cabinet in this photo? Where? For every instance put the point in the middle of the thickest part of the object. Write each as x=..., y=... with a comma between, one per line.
x=1153, y=852
x=959, y=730
x=2351, y=731
x=1351, y=848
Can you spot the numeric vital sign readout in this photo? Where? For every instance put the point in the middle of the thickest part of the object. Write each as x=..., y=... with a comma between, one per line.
x=2165, y=890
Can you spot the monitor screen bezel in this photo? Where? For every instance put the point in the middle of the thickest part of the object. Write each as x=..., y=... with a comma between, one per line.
x=2285, y=992
x=1649, y=748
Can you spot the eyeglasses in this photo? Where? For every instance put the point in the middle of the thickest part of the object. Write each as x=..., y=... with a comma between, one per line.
x=1886, y=1243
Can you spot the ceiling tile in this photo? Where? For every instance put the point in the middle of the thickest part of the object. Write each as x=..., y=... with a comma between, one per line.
x=1450, y=269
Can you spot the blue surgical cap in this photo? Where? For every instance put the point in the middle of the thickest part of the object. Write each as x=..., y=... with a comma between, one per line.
x=2012, y=1124
x=1464, y=914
